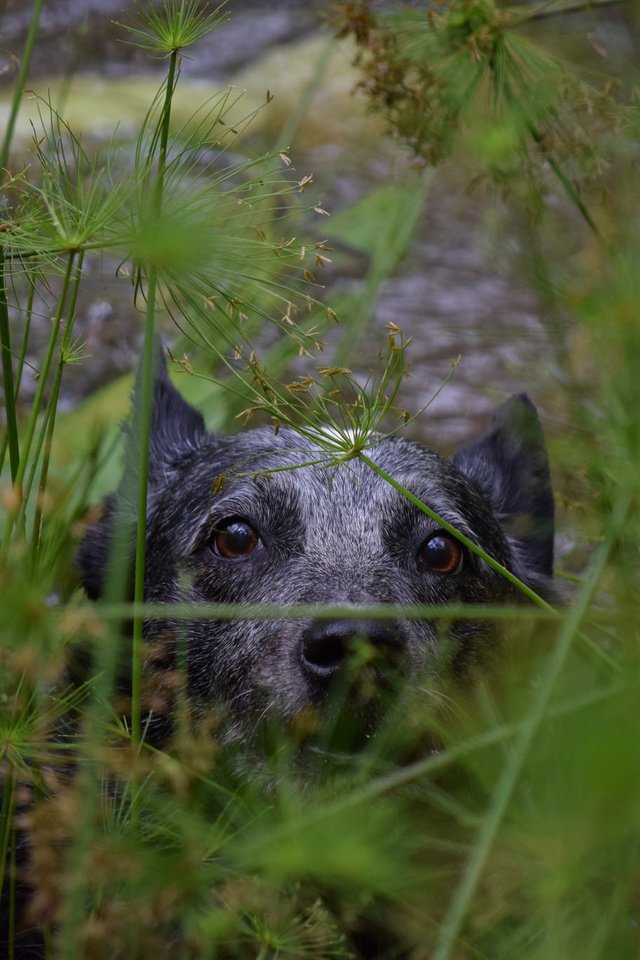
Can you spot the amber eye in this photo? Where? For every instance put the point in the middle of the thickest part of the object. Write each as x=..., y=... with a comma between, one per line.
x=442, y=553
x=234, y=538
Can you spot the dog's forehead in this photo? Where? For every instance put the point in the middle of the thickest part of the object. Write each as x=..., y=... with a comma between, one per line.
x=327, y=489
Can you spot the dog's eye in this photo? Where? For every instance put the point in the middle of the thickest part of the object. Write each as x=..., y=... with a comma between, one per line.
x=442, y=553
x=234, y=538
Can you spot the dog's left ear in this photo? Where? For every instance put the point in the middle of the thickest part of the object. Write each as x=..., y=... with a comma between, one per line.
x=176, y=429
x=176, y=426
x=510, y=466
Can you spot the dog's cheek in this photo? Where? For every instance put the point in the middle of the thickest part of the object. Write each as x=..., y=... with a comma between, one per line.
x=219, y=657
x=246, y=666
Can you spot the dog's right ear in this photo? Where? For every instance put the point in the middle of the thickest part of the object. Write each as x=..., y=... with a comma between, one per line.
x=509, y=464
x=176, y=429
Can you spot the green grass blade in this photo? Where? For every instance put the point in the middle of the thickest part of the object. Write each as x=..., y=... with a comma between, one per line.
x=461, y=901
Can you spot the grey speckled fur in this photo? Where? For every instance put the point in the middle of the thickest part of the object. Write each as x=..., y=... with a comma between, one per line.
x=329, y=536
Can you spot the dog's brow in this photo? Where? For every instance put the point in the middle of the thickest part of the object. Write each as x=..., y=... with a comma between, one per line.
x=264, y=500
x=434, y=499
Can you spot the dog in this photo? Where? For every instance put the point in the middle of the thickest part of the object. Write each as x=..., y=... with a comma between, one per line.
x=256, y=519
x=262, y=518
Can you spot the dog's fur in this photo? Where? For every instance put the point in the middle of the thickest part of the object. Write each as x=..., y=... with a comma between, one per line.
x=335, y=536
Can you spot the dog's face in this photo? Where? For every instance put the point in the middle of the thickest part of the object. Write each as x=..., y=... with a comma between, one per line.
x=280, y=531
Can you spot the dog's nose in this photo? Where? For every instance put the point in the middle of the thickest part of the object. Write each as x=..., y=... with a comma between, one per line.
x=326, y=646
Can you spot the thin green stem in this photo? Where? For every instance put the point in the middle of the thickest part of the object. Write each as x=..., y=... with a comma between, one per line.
x=144, y=435
x=505, y=787
x=386, y=253
x=21, y=80
x=77, y=859
x=12, y=896
x=399, y=778
x=21, y=363
x=52, y=406
x=561, y=176
x=303, y=105
x=28, y=315
x=6, y=821
x=111, y=611
x=5, y=342
x=146, y=400
x=164, y=133
x=491, y=561
x=37, y=401
x=569, y=188
x=469, y=544
x=554, y=9
x=7, y=375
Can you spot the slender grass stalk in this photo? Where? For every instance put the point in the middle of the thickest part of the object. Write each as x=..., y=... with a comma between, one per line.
x=28, y=316
x=469, y=544
x=5, y=334
x=303, y=106
x=6, y=819
x=390, y=247
x=505, y=787
x=553, y=8
x=25, y=63
x=402, y=777
x=146, y=398
x=311, y=611
x=491, y=561
x=9, y=839
x=539, y=140
x=7, y=375
x=12, y=896
x=78, y=855
x=37, y=401
x=71, y=66
x=52, y=406
x=564, y=180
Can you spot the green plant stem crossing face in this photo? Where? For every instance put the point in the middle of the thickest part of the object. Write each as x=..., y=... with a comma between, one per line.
x=458, y=534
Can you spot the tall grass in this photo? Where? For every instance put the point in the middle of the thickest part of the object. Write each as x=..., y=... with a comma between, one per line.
x=517, y=835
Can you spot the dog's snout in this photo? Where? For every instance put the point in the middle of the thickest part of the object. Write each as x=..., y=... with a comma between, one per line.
x=326, y=647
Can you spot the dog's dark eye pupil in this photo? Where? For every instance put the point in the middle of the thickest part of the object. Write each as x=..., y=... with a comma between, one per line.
x=442, y=553
x=234, y=538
